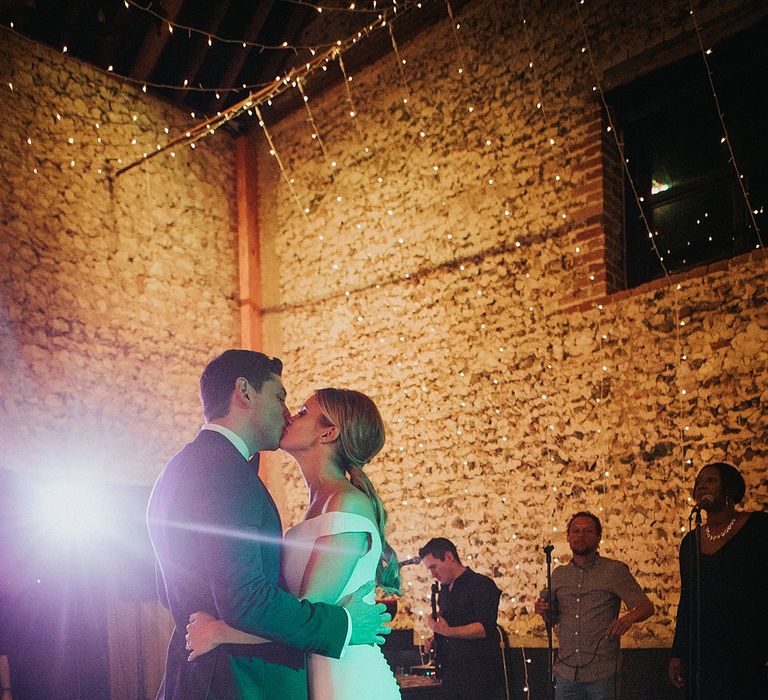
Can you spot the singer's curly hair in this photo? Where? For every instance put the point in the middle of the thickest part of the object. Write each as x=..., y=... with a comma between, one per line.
x=591, y=516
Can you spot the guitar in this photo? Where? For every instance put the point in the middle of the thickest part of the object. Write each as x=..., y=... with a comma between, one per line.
x=437, y=640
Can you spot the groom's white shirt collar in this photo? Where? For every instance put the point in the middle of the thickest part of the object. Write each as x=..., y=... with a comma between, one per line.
x=234, y=438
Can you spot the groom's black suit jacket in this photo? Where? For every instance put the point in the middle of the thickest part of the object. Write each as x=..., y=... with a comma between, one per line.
x=217, y=537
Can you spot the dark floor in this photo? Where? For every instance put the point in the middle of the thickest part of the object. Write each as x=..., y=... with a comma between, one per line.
x=644, y=675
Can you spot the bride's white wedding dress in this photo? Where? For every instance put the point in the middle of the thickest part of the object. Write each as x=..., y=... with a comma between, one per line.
x=362, y=673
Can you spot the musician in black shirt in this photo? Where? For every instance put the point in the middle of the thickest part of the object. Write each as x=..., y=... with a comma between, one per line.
x=468, y=643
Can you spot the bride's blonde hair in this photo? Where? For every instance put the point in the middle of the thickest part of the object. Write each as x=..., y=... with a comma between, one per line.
x=361, y=437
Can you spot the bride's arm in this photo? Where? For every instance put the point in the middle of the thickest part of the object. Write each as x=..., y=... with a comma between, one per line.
x=334, y=557
x=331, y=564
x=205, y=633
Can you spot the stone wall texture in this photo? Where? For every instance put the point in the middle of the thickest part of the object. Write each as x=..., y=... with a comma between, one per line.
x=437, y=259
x=440, y=267
x=114, y=290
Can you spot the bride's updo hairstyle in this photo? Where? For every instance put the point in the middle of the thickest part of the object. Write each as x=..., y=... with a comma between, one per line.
x=361, y=437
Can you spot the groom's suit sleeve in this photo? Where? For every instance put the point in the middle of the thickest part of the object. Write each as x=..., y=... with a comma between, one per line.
x=241, y=555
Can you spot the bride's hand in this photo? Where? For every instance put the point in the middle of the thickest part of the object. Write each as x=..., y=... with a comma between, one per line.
x=202, y=634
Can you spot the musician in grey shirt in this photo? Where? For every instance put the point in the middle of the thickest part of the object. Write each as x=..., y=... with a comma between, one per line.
x=587, y=594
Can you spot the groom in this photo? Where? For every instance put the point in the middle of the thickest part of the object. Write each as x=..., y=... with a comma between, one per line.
x=217, y=537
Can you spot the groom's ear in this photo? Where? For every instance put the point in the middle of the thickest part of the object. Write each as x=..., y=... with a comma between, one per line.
x=242, y=392
x=329, y=434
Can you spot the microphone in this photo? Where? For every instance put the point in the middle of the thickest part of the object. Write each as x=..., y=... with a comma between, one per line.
x=408, y=562
x=705, y=500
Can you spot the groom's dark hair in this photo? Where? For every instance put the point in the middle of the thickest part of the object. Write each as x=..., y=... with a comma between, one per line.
x=217, y=382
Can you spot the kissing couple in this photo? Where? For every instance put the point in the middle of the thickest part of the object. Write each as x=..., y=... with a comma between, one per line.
x=254, y=605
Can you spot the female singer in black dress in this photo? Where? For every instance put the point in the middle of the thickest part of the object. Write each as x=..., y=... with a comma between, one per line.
x=730, y=643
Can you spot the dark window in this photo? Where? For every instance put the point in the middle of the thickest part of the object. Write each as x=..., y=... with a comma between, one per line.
x=672, y=138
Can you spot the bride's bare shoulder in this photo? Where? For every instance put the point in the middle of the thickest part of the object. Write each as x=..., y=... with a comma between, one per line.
x=351, y=500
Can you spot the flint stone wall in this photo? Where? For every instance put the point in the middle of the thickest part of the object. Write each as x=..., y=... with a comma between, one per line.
x=114, y=289
x=438, y=269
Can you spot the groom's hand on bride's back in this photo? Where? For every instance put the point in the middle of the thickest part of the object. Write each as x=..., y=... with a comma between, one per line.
x=368, y=621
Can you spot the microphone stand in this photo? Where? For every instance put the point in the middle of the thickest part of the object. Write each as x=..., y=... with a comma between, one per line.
x=436, y=641
x=550, y=646
x=694, y=623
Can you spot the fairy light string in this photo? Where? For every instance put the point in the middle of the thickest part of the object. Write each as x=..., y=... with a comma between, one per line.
x=726, y=137
x=638, y=200
x=400, y=64
x=382, y=221
x=257, y=94
x=352, y=7
x=315, y=131
x=547, y=377
x=212, y=128
x=455, y=28
x=273, y=152
x=678, y=324
x=209, y=126
x=211, y=37
x=614, y=133
x=318, y=60
x=552, y=136
x=566, y=223
x=351, y=101
x=732, y=159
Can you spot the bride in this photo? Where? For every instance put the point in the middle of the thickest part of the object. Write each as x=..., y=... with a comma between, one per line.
x=338, y=546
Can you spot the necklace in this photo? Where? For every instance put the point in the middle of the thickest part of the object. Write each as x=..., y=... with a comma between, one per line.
x=728, y=528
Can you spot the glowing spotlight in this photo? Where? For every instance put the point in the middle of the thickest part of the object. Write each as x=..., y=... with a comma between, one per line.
x=70, y=511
